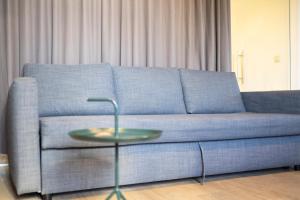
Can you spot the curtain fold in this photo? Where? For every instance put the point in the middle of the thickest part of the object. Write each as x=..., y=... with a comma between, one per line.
x=192, y=34
x=3, y=75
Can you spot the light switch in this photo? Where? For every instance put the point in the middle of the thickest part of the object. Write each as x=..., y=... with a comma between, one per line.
x=276, y=59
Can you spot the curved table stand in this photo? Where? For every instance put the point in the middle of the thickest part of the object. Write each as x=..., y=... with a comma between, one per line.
x=114, y=135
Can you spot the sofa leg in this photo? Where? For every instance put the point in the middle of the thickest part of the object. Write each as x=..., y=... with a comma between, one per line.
x=297, y=167
x=46, y=197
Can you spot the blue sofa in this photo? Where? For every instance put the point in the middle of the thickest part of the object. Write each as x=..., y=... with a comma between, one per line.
x=208, y=126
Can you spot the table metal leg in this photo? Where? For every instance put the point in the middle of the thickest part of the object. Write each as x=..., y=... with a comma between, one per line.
x=122, y=196
x=110, y=195
x=116, y=190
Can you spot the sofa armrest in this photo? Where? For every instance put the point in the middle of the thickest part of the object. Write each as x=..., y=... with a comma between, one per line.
x=272, y=102
x=23, y=136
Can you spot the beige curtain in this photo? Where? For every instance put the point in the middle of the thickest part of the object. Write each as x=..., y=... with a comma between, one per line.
x=191, y=34
x=3, y=76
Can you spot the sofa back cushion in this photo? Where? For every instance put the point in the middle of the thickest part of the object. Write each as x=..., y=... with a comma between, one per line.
x=143, y=90
x=211, y=92
x=64, y=89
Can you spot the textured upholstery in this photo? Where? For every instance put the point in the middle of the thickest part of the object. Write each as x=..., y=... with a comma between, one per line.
x=232, y=142
x=93, y=168
x=252, y=154
x=23, y=136
x=64, y=89
x=272, y=102
x=176, y=128
x=148, y=90
x=211, y=92
x=78, y=169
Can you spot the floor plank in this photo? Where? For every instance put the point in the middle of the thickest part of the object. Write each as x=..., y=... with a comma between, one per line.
x=265, y=185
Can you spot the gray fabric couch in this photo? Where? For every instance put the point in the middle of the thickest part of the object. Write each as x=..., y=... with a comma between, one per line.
x=209, y=127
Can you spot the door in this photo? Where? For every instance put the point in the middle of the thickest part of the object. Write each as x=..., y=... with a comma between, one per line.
x=261, y=44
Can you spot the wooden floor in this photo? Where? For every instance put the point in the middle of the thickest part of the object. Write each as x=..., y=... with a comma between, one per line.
x=3, y=159
x=266, y=185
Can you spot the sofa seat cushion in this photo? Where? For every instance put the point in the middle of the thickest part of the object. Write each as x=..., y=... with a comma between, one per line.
x=176, y=128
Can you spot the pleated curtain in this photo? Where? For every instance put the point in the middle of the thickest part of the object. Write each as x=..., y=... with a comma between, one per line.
x=192, y=34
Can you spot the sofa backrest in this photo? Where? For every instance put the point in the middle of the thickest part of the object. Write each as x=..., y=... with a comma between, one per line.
x=64, y=89
x=211, y=92
x=143, y=90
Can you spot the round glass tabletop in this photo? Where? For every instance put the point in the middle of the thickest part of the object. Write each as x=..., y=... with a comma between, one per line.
x=108, y=134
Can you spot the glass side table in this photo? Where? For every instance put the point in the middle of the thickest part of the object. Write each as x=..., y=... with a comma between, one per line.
x=114, y=135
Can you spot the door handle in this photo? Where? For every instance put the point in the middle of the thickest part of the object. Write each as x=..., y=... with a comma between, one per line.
x=240, y=67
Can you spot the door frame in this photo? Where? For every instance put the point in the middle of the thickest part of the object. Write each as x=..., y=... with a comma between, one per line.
x=295, y=44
